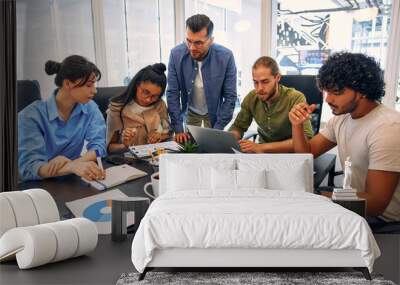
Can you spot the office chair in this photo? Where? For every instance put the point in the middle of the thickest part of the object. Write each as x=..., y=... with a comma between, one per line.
x=28, y=91
x=325, y=164
x=104, y=94
x=307, y=85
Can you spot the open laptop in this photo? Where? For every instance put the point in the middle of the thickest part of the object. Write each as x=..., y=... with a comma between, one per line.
x=214, y=141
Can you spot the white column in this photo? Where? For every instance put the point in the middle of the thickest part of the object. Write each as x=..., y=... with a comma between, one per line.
x=268, y=27
x=55, y=15
x=100, y=41
x=392, y=57
x=180, y=27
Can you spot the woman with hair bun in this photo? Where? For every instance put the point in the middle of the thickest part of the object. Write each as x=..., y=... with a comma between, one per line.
x=51, y=133
x=139, y=115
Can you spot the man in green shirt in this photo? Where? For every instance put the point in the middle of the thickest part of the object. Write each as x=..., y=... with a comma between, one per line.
x=269, y=105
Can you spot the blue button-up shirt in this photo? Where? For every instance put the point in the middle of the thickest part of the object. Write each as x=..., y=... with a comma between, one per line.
x=43, y=134
x=219, y=79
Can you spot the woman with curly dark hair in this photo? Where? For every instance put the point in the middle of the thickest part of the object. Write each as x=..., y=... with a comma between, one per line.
x=363, y=129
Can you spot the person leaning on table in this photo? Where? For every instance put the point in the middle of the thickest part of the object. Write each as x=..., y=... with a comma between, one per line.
x=269, y=105
x=51, y=133
x=201, y=80
x=362, y=129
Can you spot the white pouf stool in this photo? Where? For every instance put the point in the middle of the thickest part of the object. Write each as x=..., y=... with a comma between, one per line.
x=31, y=233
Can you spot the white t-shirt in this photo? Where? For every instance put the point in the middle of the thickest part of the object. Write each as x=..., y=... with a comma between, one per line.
x=197, y=102
x=137, y=109
x=371, y=142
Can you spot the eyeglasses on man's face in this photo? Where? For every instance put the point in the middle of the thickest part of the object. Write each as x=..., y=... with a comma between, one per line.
x=197, y=44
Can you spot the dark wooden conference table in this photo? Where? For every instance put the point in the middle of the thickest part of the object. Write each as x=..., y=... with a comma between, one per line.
x=71, y=187
x=110, y=259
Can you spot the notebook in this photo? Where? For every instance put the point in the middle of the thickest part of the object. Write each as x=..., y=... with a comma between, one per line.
x=117, y=175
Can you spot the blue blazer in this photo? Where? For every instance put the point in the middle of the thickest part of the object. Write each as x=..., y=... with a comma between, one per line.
x=219, y=79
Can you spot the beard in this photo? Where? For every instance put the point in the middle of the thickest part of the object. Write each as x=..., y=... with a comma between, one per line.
x=198, y=55
x=352, y=105
x=269, y=95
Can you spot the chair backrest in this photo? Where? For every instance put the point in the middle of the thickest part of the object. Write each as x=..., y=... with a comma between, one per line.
x=308, y=86
x=104, y=94
x=28, y=91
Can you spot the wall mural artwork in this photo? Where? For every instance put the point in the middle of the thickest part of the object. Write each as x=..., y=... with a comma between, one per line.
x=307, y=35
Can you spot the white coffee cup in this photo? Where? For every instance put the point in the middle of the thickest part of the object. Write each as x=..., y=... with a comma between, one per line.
x=155, y=181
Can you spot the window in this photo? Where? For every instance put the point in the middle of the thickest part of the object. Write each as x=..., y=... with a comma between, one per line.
x=309, y=31
x=138, y=33
x=45, y=31
x=115, y=40
x=237, y=27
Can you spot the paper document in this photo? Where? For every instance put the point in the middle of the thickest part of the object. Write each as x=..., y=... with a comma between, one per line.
x=141, y=151
x=97, y=208
x=117, y=175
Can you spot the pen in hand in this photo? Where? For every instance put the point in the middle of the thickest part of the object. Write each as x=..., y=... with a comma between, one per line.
x=99, y=162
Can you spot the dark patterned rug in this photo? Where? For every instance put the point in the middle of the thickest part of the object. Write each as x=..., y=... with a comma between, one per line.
x=242, y=278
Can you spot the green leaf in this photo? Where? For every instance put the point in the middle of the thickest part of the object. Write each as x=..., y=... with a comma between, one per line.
x=188, y=147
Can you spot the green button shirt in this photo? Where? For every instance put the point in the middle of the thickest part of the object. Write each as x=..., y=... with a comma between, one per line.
x=273, y=122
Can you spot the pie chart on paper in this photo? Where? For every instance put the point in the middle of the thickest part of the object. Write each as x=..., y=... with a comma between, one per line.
x=97, y=208
x=99, y=211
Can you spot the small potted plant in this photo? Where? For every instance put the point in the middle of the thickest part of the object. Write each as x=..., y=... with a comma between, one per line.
x=188, y=147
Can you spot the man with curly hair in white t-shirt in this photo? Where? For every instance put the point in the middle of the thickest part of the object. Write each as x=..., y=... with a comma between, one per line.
x=362, y=129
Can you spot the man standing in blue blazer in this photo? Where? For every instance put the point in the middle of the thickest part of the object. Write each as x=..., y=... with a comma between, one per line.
x=201, y=80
